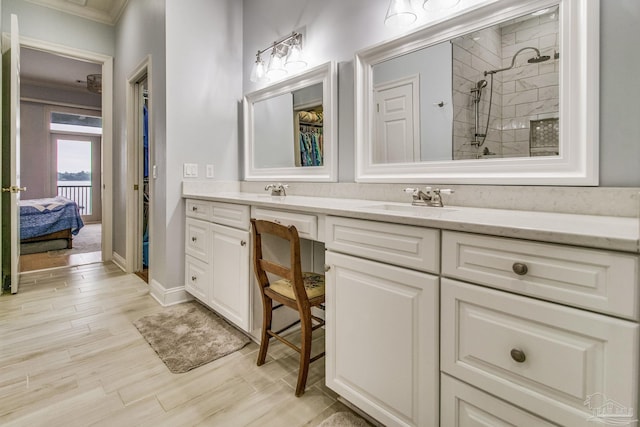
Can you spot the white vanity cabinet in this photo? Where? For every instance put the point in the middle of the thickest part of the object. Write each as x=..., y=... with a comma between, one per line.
x=217, y=267
x=569, y=355
x=382, y=319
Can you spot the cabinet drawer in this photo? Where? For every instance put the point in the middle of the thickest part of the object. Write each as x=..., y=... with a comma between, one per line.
x=307, y=225
x=462, y=405
x=198, y=209
x=546, y=358
x=197, y=239
x=197, y=278
x=230, y=214
x=404, y=245
x=598, y=280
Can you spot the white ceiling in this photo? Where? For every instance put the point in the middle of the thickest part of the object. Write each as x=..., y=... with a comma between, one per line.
x=105, y=11
x=45, y=69
x=48, y=70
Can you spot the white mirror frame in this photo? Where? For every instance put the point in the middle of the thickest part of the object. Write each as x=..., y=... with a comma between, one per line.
x=325, y=74
x=577, y=163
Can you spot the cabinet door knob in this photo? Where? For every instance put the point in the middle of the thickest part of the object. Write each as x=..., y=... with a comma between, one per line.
x=193, y=278
x=520, y=268
x=194, y=238
x=518, y=355
x=327, y=267
x=243, y=243
x=194, y=208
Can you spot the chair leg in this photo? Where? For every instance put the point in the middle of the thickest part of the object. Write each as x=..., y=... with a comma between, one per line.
x=305, y=352
x=267, y=315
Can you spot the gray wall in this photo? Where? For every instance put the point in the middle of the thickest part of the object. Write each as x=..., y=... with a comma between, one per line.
x=336, y=29
x=141, y=32
x=204, y=89
x=43, y=23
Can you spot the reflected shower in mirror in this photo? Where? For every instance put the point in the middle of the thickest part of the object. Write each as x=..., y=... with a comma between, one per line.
x=490, y=93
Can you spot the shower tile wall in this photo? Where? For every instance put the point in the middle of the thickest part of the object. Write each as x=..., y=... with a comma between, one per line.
x=473, y=54
x=526, y=92
x=529, y=91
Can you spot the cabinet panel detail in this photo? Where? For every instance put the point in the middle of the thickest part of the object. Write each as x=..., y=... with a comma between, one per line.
x=197, y=239
x=229, y=214
x=307, y=225
x=543, y=357
x=599, y=280
x=413, y=247
x=197, y=278
x=230, y=294
x=462, y=405
x=382, y=334
x=198, y=209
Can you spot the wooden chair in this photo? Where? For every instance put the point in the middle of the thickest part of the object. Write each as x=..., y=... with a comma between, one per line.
x=297, y=290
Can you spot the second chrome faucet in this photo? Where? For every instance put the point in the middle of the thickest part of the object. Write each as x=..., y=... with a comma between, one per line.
x=429, y=197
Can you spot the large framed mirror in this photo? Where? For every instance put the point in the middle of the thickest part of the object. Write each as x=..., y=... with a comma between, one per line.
x=290, y=128
x=503, y=93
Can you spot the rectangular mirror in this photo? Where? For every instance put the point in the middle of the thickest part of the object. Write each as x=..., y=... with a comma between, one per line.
x=503, y=93
x=290, y=128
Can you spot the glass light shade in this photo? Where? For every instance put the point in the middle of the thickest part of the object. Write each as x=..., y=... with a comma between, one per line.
x=276, y=68
x=295, y=60
x=439, y=4
x=400, y=14
x=258, y=71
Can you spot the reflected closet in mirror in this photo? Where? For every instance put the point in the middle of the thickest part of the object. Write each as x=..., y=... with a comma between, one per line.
x=291, y=130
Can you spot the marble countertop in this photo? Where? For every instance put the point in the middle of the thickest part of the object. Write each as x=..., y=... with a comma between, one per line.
x=604, y=232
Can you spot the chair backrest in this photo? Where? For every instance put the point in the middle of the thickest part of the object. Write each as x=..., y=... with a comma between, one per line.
x=262, y=266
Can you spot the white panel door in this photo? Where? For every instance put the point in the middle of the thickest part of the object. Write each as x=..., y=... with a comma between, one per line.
x=382, y=339
x=230, y=294
x=397, y=138
x=11, y=68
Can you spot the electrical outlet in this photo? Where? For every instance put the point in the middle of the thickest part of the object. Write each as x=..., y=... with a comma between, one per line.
x=209, y=171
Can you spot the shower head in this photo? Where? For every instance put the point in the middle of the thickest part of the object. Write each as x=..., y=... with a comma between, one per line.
x=538, y=59
x=534, y=60
x=481, y=84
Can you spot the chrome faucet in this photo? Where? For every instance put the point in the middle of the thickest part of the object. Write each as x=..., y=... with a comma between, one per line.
x=428, y=197
x=277, y=189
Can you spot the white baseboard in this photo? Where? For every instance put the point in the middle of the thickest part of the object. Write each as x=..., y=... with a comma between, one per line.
x=119, y=261
x=167, y=297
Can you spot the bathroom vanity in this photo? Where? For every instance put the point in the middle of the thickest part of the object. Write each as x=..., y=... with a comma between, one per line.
x=439, y=316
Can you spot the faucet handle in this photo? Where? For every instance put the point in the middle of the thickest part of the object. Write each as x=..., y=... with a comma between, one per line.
x=444, y=191
x=410, y=190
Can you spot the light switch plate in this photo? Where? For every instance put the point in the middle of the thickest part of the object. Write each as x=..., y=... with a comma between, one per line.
x=209, y=171
x=190, y=170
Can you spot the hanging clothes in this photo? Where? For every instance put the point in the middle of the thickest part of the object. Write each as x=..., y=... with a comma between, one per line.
x=310, y=138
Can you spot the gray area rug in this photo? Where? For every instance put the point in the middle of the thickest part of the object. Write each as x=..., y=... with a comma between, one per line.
x=189, y=335
x=344, y=419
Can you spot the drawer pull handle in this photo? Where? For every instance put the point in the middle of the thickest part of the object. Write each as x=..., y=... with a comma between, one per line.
x=243, y=243
x=520, y=268
x=194, y=208
x=194, y=238
x=327, y=267
x=518, y=355
x=193, y=278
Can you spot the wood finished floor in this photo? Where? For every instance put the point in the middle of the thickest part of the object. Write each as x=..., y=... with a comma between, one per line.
x=70, y=356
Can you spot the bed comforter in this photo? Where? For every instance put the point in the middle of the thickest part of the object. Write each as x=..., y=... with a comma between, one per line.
x=39, y=217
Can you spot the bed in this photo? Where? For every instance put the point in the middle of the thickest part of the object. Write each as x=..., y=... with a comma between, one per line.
x=48, y=220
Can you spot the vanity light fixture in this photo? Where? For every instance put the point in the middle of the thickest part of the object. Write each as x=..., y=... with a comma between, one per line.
x=439, y=4
x=400, y=14
x=286, y=56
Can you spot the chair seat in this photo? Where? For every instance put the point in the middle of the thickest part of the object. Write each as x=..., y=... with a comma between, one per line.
x=313, y=284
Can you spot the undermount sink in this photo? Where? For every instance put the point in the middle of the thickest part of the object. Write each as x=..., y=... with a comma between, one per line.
x=409, y=209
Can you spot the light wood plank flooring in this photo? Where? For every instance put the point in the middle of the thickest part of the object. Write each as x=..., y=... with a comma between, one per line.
x=70, y=356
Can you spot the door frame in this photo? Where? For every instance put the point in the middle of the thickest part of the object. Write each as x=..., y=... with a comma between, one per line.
x=133, y=261
x=106, y=62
